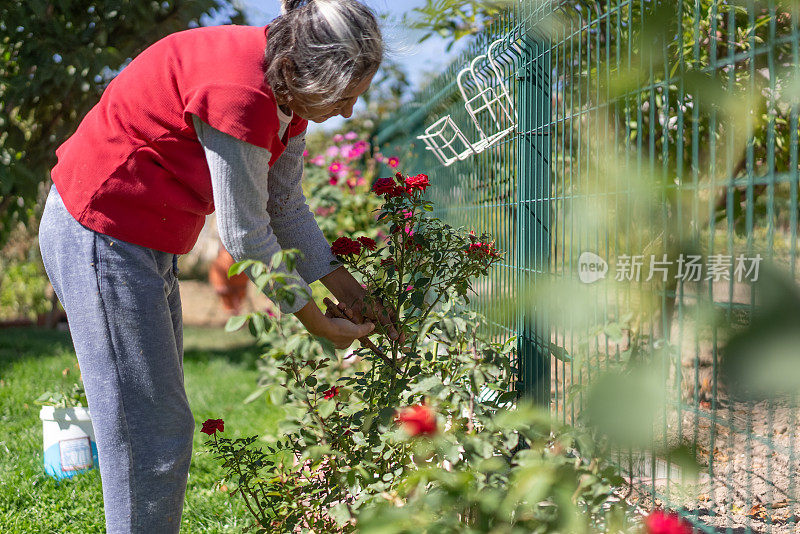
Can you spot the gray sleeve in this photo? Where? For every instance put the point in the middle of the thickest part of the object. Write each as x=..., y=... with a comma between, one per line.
x=238, y=179
x=292, y=220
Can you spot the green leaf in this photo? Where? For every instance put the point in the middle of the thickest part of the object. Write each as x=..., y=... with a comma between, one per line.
x=255, y=395
x=258, y=324
x=559, y=353
x=326, y=408
x=276, y=260
x=236, y=322
x=386, y=414
x=239, y=267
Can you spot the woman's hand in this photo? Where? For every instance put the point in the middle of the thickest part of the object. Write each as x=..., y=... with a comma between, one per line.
x=352, y=296
x=340, y=332
x=375, y=312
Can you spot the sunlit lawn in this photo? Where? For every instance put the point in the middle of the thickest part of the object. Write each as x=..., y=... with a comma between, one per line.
x=219, y=372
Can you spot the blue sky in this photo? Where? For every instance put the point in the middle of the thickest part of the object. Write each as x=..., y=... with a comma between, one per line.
x=419, y=59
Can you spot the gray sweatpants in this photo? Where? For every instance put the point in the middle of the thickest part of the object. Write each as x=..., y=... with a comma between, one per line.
x=124, y=313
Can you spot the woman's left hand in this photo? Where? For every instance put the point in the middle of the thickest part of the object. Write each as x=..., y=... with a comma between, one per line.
x=376, y=313
x=352, y=296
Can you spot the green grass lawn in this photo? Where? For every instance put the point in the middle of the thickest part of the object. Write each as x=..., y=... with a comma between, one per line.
x=219, y=372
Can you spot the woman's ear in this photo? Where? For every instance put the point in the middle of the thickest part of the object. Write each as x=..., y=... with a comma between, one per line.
x=287, y=69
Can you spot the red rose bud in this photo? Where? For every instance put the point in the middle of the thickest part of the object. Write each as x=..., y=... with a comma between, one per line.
x=344, y=246
x=331, y=393
x=661, y=522
x=417, y=420
x=212, y=425
x=367, y=243
x=398, y=192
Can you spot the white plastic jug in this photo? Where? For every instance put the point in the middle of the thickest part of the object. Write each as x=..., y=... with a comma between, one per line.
x=68, y=439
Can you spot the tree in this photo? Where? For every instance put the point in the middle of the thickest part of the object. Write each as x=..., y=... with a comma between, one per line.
x=55, y=60
x=454, y=19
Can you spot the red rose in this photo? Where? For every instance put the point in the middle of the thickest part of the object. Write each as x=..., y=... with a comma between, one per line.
x=387, y=261
x=333, y=180
x=482, y=249
x=475, y=248
x=367, y=243
x=418, y=420
x=387, y=187
x=345, y=246
x=212, y=425
x=383, y=186
x=661, y=522
x=419, y=182
x=331, y=393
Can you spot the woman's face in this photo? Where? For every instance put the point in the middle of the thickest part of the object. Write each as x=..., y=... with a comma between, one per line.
x=344, y=106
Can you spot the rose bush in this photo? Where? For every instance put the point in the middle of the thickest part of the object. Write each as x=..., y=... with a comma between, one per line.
x=425, y=421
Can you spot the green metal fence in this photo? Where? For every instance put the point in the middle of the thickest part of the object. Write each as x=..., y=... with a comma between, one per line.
x=657, y=135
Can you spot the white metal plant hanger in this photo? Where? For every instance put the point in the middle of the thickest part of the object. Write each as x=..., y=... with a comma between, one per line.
x=486, y=99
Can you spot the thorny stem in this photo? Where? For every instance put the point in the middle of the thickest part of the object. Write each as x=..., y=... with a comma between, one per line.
x=470, y=426
x=246, y=488
x=311, y=407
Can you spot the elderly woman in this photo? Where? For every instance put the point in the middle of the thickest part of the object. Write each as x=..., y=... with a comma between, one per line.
x=205, y=119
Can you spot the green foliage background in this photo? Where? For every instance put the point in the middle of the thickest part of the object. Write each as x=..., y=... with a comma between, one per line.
x=55, y=60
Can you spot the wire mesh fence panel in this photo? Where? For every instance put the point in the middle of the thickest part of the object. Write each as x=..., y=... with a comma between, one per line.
x=645, y=194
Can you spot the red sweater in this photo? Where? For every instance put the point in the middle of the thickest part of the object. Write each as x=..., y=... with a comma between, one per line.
x=134, y=169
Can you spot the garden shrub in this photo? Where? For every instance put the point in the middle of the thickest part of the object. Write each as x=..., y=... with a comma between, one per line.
x=422, y=429
x=23, y=290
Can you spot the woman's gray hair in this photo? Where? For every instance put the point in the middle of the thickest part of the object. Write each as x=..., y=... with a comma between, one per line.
x=317, y=49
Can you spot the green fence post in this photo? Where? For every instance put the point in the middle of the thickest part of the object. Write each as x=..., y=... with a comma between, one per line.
x=533, y=215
